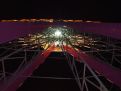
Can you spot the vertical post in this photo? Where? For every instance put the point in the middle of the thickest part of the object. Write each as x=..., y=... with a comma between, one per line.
x=83, y=80
x=3, y=69
x=86, y=86
x=102, y=87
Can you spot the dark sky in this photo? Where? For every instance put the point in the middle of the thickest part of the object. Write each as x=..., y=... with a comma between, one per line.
x=61, y=9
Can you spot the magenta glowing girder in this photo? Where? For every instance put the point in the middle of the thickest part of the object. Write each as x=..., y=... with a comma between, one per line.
x=106, y=70
x=19, y=77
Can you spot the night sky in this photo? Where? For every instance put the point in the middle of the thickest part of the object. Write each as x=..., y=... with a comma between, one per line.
x=108, y=11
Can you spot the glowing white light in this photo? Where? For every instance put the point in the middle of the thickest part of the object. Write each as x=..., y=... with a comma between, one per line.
x=58, y=33
x=57, y=43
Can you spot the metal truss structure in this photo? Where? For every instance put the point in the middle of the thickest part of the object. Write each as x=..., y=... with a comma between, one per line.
x=83, y=79
x=20, y=55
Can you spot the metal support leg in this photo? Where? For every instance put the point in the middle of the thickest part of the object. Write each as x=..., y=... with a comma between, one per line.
x=3, y=69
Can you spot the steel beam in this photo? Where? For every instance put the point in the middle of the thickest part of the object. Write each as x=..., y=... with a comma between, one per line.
x=106, y=70
x=17, y=78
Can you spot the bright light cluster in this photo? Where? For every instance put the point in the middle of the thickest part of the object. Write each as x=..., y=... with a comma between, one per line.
x=58, y=36
x=57, y=43
x=58, y=33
